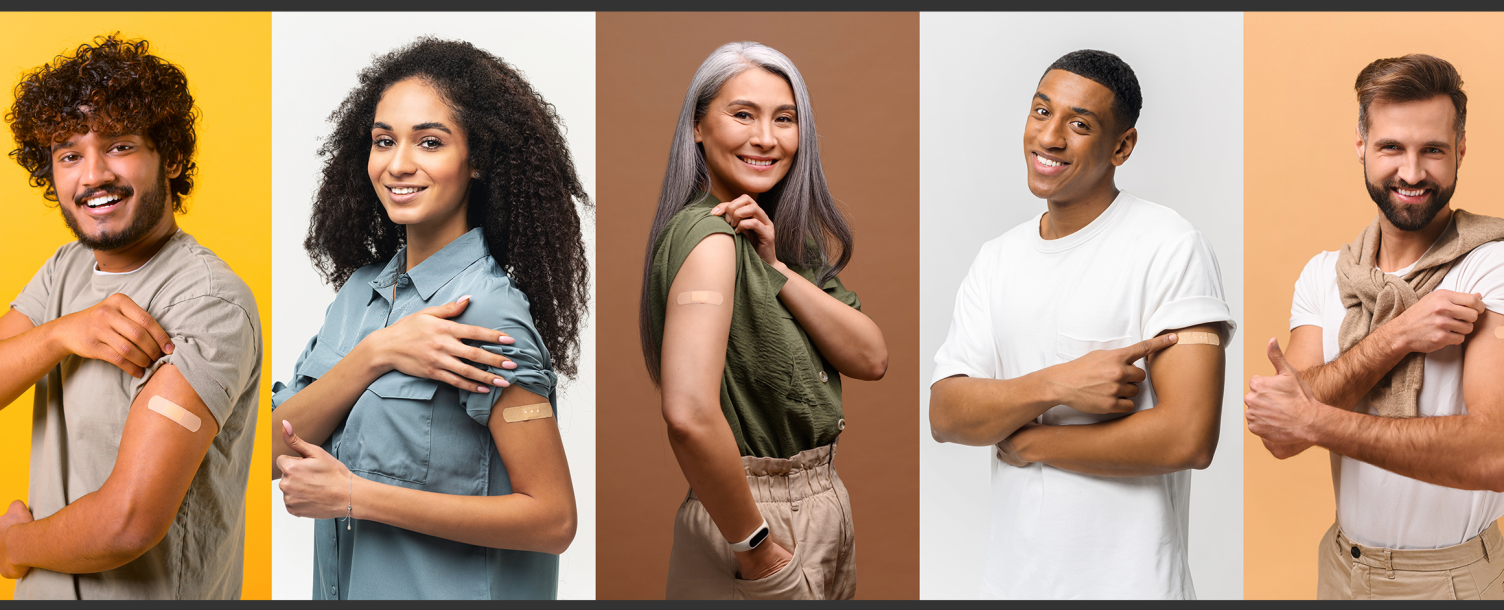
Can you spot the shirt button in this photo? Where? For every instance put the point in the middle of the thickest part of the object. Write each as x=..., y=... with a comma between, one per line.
x=823, y=377
x=403, y=281
x=1357, y=553
x=841, y=425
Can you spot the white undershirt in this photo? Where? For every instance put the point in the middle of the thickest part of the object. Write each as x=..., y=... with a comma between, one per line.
x=1376, y=507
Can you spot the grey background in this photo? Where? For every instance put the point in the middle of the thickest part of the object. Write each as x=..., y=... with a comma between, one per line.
x=315, y=60
x=977, y=75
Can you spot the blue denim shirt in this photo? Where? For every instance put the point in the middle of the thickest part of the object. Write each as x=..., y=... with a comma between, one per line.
x=422, y=434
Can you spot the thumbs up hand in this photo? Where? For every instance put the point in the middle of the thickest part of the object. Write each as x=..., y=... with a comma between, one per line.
x=17, y=514
x=1282, y=408
x=314, y=484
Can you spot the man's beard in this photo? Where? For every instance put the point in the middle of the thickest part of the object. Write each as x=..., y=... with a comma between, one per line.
x=1408, y=217
x=150, y=207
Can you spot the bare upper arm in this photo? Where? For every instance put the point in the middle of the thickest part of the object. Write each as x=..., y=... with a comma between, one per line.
x=14, y=323
x=1305, y=350
x=1189, y=375
x=532, y=449
x=695, y=333
x=1482, y=360
x=159, y=456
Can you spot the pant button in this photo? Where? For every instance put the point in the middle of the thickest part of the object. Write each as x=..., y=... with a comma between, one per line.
x=1357, y=553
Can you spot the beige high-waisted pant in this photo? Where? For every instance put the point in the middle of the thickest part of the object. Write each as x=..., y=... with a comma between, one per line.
x=808, y=512
x=1471, y=570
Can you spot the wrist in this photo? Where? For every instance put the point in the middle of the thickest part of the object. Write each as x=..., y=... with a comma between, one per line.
x=359, y=499
x=368, y=353
x=1025, y=447
x=1315, y=430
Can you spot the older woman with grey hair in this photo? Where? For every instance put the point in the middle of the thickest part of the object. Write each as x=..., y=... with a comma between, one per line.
x=747, y=331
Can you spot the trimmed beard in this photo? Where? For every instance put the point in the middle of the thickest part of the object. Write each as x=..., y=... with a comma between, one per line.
x=1407, y=217
x=151, y=205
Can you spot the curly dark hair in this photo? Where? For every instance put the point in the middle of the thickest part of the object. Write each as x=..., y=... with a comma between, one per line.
x=125, y=88
x=1109, y=71
x=524, y=200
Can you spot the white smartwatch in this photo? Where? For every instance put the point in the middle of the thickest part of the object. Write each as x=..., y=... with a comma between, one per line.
x=758, y=535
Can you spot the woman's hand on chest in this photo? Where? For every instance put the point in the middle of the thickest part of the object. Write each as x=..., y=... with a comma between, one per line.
x=430, y=345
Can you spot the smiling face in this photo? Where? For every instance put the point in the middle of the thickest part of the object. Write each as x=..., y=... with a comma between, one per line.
x=749, y=134
x=419, y=162
x=1410, y=159
x=112, y=189
x=1070, y=143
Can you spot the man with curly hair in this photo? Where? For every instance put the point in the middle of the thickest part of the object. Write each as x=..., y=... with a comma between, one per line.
x=143, y=347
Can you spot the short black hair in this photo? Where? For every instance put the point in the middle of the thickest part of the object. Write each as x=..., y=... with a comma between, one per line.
x=1109, y=71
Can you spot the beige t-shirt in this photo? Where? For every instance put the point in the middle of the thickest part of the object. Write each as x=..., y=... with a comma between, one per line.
x=81, y=407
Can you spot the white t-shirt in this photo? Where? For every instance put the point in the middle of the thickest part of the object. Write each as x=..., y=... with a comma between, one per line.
x=1029, y=303
x=1380, y=508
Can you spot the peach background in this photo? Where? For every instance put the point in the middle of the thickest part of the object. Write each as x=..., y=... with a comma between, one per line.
x=227, y=58
x=863, y=74
x=1303, y=193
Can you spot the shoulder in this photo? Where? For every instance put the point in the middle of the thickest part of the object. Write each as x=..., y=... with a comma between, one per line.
x=693, y=223
x=1019, y=236
x=1489, y=256
x=1323, y=265
x=495, y=299
x=198, y=274
x=1153, y=224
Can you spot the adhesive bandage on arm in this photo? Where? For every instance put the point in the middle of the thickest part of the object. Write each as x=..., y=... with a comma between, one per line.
x=540, y=410
x=704, y=297
x=1499, y=332
x=1197, y=339
x=172, y=411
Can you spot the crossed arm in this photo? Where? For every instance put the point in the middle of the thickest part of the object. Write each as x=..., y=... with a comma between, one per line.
x=1179, y=433
x=1292, y=411
x=135, y=507
x=539, y=514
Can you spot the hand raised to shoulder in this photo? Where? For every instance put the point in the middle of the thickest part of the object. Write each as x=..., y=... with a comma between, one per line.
x=749, y=220
x=117, y=331
x=428, y=344
x=1439, y=319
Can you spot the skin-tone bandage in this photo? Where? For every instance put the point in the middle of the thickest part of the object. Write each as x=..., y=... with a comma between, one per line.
x=1197, y=339
x=1499, y=332
x=513, y=415
x=172, y=411
x=702, y=297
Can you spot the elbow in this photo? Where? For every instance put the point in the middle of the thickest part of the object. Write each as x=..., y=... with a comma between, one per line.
x=685, y=420
x=1495, y=476
x=131, y=537
x=1198, y=460
x=559, y=534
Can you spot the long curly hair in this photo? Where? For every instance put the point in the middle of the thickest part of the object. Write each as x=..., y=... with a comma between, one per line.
x=524, y=200
x=125, y=89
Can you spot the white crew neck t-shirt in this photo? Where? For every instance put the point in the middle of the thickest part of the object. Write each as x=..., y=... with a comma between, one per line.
x=1029, y=303
x=1376, y=507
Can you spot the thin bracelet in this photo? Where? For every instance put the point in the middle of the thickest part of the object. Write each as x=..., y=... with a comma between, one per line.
x=350, y=501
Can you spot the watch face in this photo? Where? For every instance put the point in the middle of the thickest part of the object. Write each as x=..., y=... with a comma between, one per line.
x=761, y=535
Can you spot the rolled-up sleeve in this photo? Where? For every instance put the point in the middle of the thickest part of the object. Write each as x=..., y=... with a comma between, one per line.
x=534, y=371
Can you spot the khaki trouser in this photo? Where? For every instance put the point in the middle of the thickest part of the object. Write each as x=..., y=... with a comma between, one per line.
x=808, y=512
x=1471, y=570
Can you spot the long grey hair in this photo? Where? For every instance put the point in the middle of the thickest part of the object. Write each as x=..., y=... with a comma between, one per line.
x=800, y=205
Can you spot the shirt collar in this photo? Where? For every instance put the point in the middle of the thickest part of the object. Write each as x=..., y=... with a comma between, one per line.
x=437, y=270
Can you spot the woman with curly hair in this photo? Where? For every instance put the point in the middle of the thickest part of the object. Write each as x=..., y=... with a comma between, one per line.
x=747, y=331
x=418, y=425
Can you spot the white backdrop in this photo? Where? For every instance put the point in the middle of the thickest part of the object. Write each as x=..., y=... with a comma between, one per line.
x=978, y=73
x=315, y=60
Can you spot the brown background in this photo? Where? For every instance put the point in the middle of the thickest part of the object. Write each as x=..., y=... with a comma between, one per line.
x=1304, y=192
x=862, y=71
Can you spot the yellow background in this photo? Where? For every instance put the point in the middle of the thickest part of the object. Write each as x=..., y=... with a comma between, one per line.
x=227, y=58
x=1303, y=193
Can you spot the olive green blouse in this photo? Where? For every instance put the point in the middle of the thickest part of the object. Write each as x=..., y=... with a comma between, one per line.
x=777, y=393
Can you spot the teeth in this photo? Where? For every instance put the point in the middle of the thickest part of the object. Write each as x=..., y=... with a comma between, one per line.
x=1048, y=163
x=101, y=200
x=756, y=162
x=406, y=190
x=1411, y=193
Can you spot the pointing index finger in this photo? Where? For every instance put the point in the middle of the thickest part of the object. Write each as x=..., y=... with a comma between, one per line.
x=1144, y=348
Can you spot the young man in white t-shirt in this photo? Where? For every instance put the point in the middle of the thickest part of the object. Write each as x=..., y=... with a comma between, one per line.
x=1417, y=491
x=1091, y=482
